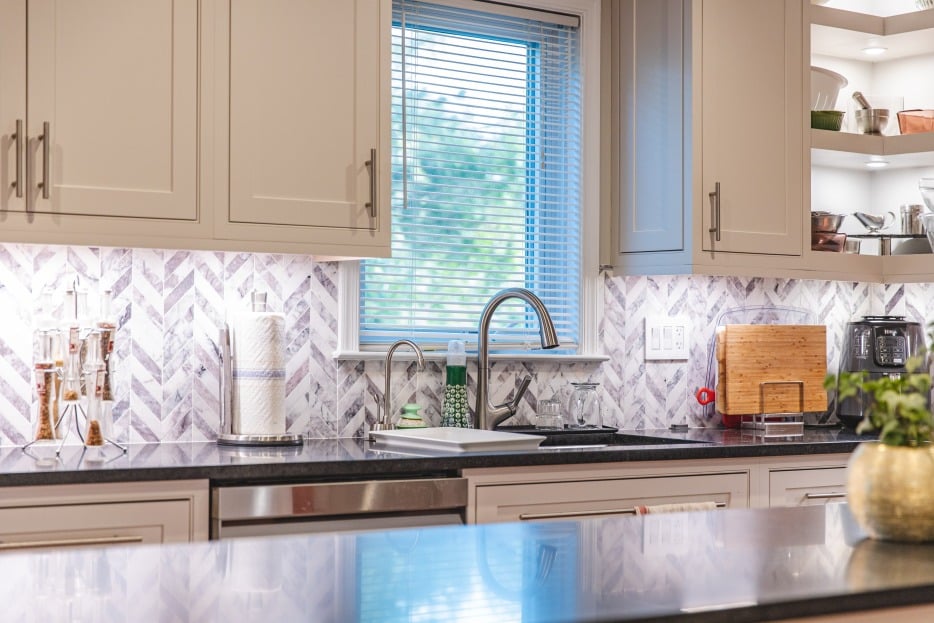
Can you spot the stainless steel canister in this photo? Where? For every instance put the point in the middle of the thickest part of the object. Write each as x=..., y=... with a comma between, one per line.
x=911, y=218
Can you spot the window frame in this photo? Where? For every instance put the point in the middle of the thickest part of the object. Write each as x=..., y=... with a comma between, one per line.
x=591, y=287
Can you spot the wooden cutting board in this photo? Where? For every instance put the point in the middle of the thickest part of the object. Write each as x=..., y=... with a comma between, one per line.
x=777, y=355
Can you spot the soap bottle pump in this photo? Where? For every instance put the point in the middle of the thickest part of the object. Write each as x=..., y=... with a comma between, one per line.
x=454, y=402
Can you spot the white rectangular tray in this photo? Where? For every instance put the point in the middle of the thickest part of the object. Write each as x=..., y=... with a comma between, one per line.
x=456, y=439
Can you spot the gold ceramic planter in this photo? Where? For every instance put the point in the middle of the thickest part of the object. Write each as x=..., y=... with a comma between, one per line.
x=890, y=491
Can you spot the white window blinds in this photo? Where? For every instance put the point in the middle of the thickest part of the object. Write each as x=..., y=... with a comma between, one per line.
x=486, y=152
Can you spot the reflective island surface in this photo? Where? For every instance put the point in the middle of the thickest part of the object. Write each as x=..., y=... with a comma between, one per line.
x=717, y=566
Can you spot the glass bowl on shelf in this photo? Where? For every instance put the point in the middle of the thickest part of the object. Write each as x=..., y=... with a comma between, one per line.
x=927, y=221
x=926, y=186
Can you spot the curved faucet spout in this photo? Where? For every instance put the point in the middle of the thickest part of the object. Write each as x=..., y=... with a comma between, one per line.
x=384, y=420
x=489, y=415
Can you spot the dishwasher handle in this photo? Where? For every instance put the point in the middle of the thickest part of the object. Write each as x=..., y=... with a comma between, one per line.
x=338, y=498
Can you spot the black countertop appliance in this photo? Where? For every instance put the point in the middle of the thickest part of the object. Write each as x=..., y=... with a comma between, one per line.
x=877, y=345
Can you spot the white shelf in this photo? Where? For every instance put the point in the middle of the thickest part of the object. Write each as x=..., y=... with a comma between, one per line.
x=852, y=151
x=843, y=34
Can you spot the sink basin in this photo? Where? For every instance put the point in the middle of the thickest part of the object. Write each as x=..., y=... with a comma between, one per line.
x=594, y=437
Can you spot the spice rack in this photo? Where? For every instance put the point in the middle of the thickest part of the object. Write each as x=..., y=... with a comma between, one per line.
x=73, y=371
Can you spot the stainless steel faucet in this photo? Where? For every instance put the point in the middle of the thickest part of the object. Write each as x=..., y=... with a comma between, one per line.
x=384, y=419
x=489, y=415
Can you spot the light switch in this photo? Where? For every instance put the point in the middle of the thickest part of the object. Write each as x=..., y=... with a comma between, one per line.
x=667, y=338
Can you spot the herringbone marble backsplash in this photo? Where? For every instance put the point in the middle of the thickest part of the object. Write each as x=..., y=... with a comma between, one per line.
x=170, y=304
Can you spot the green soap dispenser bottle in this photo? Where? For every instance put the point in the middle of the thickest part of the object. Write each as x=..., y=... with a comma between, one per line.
x=454, y=410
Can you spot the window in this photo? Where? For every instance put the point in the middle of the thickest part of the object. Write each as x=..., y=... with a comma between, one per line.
x=487, y=177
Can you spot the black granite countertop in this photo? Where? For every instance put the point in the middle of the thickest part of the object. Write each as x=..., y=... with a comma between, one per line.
x=703, y=567
x=330, y=459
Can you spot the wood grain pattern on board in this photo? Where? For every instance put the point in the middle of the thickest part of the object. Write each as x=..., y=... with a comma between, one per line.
x=760, y=366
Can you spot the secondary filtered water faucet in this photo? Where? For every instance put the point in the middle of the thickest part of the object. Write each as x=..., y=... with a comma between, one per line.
x=384, y=419
x=489, y=415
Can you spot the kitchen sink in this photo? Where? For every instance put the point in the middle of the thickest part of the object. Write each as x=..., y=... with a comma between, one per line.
x=593, y=436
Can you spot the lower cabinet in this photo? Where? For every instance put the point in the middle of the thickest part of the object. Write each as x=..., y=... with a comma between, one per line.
x=103, y=514
x=568, y=493
x=582, y=491
x=807, y=487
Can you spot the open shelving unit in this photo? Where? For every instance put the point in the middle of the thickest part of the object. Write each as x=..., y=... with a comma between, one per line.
x=841, y=182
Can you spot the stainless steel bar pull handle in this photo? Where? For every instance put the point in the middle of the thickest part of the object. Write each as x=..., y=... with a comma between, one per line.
x=825, y=496
x=715, y=211
x=103, y=540
x=371, y=165
x=18, y=137
x=593, y=513
x=46, y=139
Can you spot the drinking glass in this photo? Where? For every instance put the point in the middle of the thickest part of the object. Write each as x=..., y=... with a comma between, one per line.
x=584, y=406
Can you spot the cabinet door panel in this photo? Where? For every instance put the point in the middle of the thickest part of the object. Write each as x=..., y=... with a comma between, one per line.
x=807, y=487
x=304, y=111
x=12, y=98
x=117, y=82
x=570, y=500
x=752, y=115
x=84, y=525
x=649, y=85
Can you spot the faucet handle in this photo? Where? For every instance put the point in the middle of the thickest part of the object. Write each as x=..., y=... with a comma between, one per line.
x=514, y=403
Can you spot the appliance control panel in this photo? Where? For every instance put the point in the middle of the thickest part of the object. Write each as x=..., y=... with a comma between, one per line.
x=891, y=347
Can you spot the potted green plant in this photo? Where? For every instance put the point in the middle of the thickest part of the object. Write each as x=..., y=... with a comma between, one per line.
x=890, y=482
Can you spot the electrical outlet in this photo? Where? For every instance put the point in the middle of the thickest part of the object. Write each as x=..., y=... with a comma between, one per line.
x=667, y=339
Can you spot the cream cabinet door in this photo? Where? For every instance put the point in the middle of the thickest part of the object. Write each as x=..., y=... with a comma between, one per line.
x=752, y=126
x=115, y=85
x=807, y=487
x=308, y=122
x=599, y=498
x=91, y=525
x=86, y=515
x=12, y=104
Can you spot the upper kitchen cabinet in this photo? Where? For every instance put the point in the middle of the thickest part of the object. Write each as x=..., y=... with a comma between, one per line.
x=304, y=114
x=99, y=116
x=707, y=107
x=884, y=49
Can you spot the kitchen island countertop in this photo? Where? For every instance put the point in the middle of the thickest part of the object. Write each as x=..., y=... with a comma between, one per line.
x=353, y=458
x=703, y=567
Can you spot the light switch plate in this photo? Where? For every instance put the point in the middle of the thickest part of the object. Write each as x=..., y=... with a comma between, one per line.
x=667, y=338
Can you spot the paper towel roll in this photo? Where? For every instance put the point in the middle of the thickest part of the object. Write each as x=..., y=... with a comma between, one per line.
x=258, y=357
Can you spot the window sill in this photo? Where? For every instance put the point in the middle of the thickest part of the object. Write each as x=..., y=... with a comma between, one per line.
x=441, y=355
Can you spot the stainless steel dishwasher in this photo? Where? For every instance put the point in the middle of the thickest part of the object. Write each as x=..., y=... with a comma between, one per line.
x=264, y=510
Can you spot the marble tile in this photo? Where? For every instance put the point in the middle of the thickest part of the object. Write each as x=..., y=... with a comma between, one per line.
x=169, y=305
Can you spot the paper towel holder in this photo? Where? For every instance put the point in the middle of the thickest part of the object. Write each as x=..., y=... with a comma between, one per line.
x=227, y=436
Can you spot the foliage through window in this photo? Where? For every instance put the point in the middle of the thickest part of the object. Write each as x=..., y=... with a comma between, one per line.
x=486, y=153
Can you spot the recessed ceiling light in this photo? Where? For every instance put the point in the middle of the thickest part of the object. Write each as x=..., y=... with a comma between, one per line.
x=877, y=163
x=874, y=50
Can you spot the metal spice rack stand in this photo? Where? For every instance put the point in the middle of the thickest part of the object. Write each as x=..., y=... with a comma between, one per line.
x=776, y=424
x=84, y=370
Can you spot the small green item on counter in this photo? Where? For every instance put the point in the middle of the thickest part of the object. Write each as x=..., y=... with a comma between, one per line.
x=454, y=410
x=410, y=417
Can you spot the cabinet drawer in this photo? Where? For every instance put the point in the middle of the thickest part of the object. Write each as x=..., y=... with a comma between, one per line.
x=807, y=487
x=81, y=525
x=615, y=496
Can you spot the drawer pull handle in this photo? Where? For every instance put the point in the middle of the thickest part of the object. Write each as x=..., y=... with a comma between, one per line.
x=824, y=496
x=18, y=182
x=371, y=165
x=102, y=540
x=614, y=511
x=46, y=139
x=715, y=211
